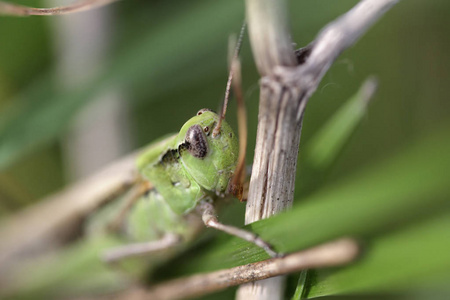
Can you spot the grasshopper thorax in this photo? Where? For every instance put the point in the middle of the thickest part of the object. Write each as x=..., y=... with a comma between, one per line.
x=210, y=161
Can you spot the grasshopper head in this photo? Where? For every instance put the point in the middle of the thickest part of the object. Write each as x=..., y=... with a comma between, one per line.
x=211, y=161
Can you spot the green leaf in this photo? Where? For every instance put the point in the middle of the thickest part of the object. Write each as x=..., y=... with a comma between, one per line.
x=329, y=141
x=302, y=285
x=410, y=258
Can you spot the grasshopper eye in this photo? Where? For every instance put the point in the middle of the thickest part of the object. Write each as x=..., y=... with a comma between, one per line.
x=206, y=129
x=196, y=141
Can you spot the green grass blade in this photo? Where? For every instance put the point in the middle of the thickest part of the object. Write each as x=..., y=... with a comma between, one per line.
x=302, y=285
x=329, y=141
x=408, y=259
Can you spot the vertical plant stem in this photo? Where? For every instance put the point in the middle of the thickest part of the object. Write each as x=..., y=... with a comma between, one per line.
x=279, y=125
x=100, y=133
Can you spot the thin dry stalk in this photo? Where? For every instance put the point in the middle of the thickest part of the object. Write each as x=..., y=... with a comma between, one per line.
x=23, y=11
x=330, y=254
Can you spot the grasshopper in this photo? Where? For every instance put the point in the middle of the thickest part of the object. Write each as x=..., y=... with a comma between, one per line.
x=179, y=179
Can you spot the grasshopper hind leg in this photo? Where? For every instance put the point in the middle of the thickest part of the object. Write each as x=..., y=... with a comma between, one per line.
x=139, y=190
x=138, y=249
x=147, y=225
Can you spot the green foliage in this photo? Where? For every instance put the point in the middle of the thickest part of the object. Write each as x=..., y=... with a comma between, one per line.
x=388, y=186
x=328, y=143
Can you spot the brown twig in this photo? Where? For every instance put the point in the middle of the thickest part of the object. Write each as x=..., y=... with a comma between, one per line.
x=21, y=10
x=333, y=253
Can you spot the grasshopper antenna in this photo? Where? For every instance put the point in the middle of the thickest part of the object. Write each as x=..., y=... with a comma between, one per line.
x=239, y=174
x=216, y=130
x=235, y=82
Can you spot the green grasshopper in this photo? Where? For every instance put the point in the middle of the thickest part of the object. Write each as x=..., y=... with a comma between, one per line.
x=188, y=171
x=180, y=177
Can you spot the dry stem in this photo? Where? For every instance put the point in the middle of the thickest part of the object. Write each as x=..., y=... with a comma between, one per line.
x=21, y=10
x=330, y=254
x=285, y=90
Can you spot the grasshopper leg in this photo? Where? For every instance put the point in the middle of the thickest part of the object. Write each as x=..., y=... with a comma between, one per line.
x=130, y=199
x=210, y=220
x=114, y=254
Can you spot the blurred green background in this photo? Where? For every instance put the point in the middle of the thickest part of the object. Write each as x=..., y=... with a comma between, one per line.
x=167, y=59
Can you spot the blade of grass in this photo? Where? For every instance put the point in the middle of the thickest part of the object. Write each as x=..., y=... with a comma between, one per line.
x=301, y=289
x=394, y=262
x=329, y=141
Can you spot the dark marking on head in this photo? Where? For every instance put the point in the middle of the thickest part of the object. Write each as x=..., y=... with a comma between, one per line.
x=203, y=110
x=230, y=135
x=195, y=141
x=171, y=156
